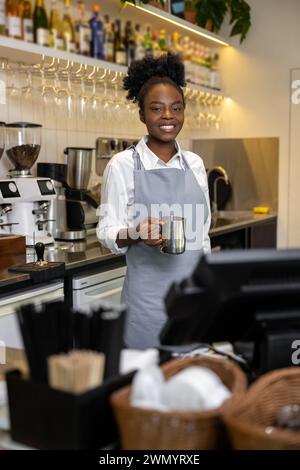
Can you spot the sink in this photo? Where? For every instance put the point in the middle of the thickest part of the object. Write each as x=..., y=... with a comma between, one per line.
x=221, y=219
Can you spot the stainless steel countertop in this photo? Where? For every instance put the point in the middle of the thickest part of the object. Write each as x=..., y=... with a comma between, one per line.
x=89, y=252
x=238, y=220
x=76, y=254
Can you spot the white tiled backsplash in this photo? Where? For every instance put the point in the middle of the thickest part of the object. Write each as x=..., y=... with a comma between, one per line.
x=60, y=130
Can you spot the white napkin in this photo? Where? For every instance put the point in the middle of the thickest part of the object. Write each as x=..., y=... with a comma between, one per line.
x=146, y=388
x=3, y=393
x=134, y=359
x=193, y=389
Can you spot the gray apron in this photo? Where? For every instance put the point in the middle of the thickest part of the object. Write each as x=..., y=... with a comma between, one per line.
x=150, y=273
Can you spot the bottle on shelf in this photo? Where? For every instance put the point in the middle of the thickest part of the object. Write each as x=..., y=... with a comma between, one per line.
x=56, y=39
x=119, y=45
x=186, y=53
x=68, y=29
x=215, y=77
x=176, y=47
x=13, y=19
x=26, y=21
x=139, y=43
x=203, y=58
x=156, y=50
x=2, y=18
x=162, y=41
x=40, y=24
x=108, y=47
x=97, y=33
x=148, y=45
x=130, y=43
x=82, y=31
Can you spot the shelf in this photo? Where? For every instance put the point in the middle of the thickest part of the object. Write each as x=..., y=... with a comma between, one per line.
x=205, y=89
x=22, y=51
x=207, y=38
x=25, y=52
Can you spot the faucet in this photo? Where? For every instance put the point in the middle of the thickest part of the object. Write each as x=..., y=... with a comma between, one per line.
x=224, y=177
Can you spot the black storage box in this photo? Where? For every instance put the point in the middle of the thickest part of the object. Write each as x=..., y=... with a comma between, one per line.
x=44, y=418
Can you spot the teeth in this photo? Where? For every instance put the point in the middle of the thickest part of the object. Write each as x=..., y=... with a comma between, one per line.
x=167, y=127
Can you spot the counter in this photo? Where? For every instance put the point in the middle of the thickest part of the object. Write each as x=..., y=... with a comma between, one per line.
x=91, y=252
x=236, y=220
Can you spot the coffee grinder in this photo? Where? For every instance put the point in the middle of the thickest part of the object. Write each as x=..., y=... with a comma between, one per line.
x=26, y=198
x=81, y=205
x=57, y=211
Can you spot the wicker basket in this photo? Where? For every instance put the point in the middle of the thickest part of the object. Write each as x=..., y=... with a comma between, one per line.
x=152, y=429
x=247, y=422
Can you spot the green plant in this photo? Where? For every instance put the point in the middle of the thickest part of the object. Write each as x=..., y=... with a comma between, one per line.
x=215, y=11
x=190, y=5
x=240, y=18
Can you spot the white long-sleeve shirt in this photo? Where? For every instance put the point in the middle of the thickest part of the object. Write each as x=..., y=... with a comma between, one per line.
x=117, y=194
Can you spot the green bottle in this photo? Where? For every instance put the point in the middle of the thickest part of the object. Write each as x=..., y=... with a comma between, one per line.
x=40, y=24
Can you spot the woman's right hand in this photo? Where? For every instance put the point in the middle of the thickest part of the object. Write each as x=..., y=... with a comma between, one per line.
x=150, y=231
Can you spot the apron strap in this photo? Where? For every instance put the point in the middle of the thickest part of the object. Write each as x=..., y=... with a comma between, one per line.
x=138, y=165
x=185, y=163
x=136, y=158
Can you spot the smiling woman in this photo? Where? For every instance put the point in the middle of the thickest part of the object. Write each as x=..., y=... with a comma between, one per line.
x=146, y=184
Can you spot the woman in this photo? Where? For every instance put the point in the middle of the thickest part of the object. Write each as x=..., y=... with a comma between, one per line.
x=139, y=187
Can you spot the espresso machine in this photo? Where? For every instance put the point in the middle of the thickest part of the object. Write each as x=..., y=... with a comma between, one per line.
x=81, y=204
x=24, y=200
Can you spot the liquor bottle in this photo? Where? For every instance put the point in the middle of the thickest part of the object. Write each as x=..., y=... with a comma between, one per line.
x=148, y=42
x=2, y=18
x=186, y=54
x=82, y=31
x=26, y=21
x=139, y=43
x=68, y=30
x=215, y=77
x=176, y=47
x=156, y=51
x=40, y=24
x=130, y=43
x=204, y=66
x=13, y=18
x=97, y=34
x=119, y=45
x=162, y=41
x=56, y=28
x=108, y=47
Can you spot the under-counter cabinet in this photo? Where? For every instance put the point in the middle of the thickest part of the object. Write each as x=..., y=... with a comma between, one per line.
x=9, y=329
x=262, y=234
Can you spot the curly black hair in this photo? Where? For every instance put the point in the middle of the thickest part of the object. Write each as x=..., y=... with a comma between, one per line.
x=142, y=74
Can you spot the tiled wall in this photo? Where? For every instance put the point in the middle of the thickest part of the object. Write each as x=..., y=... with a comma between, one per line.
x=61, y=129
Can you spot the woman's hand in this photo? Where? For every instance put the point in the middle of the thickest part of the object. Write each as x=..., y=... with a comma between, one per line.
x=150, y=231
